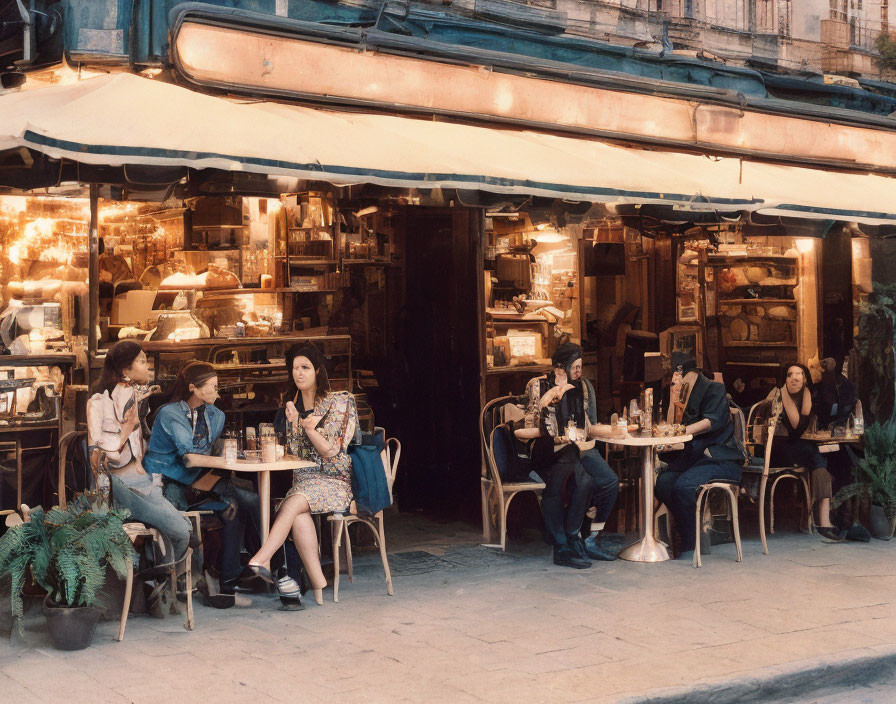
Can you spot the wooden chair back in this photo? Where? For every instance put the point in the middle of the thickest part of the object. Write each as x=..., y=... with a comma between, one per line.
x=491, y=416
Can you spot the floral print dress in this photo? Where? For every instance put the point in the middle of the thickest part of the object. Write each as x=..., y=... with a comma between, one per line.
x=327, y=487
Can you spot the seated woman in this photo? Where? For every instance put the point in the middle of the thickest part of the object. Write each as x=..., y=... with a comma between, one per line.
x=320, y=424
x=189, y=425
x=789, y=447
x=113, y=426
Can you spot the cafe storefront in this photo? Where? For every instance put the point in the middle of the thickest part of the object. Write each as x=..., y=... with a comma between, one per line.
x=437, y=263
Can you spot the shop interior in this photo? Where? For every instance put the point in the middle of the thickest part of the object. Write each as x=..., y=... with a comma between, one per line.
x=425, y=305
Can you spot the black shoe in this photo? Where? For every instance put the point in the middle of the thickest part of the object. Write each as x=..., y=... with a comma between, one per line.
x=237, y=586
x=832, y=533
x=216, y=601
x=565, y=557
x=595, y=552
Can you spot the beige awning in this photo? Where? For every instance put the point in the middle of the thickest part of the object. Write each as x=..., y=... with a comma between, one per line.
x=121, y=119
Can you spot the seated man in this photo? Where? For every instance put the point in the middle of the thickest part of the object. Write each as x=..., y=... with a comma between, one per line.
x=556, y=402
x=713, y=454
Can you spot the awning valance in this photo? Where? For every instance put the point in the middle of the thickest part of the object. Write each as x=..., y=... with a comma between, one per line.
x=121, y=119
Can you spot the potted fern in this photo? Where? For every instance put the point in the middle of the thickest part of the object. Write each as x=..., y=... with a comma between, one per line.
x=874, y=478
x=66, y=551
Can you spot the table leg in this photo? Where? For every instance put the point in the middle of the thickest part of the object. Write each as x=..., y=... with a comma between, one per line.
x=264, y=495
x=647, y=549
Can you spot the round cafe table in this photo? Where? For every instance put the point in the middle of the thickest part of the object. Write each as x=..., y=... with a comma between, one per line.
x=647, y=548
x=262, y=469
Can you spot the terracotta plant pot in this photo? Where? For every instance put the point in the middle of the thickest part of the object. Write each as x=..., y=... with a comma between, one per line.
x=71, y=627
x=879, y=525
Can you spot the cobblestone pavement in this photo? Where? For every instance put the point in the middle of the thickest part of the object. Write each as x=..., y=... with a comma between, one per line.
x=470, y=624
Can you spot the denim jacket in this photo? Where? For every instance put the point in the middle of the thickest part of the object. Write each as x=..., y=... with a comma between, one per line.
x=173, y=437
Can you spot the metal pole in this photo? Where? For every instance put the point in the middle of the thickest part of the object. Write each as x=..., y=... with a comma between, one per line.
x=93, y=277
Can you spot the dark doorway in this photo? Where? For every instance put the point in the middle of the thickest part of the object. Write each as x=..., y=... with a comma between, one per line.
x=438, y=338
x=836, y=294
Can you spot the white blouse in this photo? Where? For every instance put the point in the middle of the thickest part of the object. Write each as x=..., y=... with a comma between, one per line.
x=104, y=417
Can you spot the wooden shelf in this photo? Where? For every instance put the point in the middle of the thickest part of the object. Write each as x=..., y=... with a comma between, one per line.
x=254, y=291
x=726, y=260
x=761, y=344
x=520, y=368
x=312, y=262
x=739, y=301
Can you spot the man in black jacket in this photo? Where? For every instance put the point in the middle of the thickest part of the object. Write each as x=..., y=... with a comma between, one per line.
x=713, y=454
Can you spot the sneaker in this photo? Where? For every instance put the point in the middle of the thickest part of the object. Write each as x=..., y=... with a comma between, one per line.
x=290, y=594
x=565, y=557
x=595, y=552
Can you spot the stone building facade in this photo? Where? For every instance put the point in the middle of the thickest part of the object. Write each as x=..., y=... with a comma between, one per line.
x=828, y=36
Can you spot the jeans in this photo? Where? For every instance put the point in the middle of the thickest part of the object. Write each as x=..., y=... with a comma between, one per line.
x=147, y=505
x=557, y=523
x=248, y=510
x=606, y=483
x=677, y=488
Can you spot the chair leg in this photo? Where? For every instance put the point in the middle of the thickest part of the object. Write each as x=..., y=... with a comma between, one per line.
x=188, y=580
x=771, y=505
x=128, y=588
x=172, y=588
x=698, y=515
x=809, y=519
x=486, y=514
x=762, y=486
x=735, y=523
x=384, y=556
x=347, y=546
x=503, y=508
x=336, y=530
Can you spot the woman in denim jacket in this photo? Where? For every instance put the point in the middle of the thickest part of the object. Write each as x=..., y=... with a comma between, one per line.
x=114, y=427
x=190, y=424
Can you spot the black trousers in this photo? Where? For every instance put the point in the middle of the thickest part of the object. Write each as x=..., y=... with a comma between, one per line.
x=560, y=521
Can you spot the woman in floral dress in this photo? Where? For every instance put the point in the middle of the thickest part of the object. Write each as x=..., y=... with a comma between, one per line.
x=320, y=425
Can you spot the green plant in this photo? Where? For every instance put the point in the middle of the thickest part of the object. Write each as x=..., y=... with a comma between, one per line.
x=874, y=474
x=67, y=550
x=876, y=350
x=886, y=47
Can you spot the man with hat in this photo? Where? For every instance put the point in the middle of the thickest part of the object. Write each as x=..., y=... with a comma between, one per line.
x=556, y=402
x=713, y=454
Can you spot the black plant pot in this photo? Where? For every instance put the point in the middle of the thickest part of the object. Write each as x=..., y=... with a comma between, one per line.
x=71, y=627
x=878, y=524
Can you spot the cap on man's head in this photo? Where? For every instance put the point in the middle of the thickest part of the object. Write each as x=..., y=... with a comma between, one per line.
x=566, y=354
x=685, y=360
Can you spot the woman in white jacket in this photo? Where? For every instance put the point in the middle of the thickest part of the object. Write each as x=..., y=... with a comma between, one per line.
x=113, y=426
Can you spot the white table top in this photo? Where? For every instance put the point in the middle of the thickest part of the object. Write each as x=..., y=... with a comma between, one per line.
x=637, y=440
x=287, y=463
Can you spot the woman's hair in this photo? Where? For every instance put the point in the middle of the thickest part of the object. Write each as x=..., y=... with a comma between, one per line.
x=118, y=358
x=318, y=361
x=807, y=377
x=195, y=373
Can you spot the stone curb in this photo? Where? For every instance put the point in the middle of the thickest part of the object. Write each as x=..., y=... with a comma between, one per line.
x=802, y=677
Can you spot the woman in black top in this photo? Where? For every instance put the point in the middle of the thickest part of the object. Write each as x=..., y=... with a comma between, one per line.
x=790, y=448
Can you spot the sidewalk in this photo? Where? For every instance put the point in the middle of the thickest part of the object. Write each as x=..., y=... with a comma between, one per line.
x=472, y=624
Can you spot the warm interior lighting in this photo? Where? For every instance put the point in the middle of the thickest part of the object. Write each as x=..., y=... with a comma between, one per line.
x=804, y=245
x=548, y=237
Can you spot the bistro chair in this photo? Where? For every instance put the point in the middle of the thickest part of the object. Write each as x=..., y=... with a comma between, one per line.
x=731, y=490
x=497, y=494
x=340, y=523
x=138, y=531
x=761, y=425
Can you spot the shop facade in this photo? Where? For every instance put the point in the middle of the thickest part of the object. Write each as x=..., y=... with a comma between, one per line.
x=437, y=262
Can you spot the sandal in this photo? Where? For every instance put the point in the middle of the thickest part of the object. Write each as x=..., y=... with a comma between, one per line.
x=261, y=572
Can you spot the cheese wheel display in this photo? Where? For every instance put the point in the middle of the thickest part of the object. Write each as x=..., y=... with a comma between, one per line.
x=739, y=330
x=782, y=313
